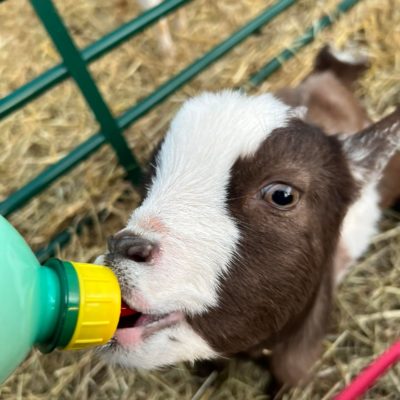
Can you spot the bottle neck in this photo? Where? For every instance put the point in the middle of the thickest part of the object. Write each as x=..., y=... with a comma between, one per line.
x=49, y=304
x=59, y=305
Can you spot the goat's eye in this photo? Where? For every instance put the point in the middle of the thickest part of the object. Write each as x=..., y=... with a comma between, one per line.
x=281, y=196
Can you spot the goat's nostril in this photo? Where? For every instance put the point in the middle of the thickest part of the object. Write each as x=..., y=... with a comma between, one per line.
x=131, y=246
x=140, y=252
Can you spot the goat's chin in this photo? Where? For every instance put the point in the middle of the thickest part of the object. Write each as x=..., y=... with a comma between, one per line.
x=173, y=343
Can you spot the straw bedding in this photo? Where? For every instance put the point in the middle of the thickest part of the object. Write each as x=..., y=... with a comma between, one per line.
x=367, y=311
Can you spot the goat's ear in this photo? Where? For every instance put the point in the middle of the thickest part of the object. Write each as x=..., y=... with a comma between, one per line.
x=369, y=150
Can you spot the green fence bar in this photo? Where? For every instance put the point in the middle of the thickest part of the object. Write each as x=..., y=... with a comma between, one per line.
x=302, y=41
x=45, y=178
x=59, y=73
x=50, y=174
x=78, y=70
x=63, y=238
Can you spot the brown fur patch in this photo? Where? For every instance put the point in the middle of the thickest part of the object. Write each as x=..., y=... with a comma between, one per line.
x=284, y=256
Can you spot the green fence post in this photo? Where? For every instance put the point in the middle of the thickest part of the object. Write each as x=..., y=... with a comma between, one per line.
x=77, y=67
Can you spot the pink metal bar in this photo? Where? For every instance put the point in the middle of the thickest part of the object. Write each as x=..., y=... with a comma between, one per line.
x=370, y=374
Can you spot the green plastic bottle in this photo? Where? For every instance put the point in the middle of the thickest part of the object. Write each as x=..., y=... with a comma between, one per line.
x=61, y=304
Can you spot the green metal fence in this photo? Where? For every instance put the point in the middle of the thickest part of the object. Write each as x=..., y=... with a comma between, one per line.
x=74, y=66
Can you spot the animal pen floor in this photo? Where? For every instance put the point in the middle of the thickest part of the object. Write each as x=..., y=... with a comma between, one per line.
x=367, y=313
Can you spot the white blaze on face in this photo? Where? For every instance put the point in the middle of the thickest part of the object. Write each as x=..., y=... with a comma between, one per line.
x=186, y=210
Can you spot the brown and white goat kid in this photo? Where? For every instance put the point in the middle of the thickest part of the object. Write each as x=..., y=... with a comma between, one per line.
x=252, y=206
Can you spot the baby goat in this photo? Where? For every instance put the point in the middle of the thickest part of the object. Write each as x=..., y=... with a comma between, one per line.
x=256, y=207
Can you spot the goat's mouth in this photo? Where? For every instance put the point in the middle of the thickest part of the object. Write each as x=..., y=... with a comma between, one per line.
x=134, y=327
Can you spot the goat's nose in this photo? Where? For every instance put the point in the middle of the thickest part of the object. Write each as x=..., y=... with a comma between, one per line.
x=129, y=245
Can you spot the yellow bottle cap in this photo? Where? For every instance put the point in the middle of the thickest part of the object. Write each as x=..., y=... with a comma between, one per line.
x=99, y=306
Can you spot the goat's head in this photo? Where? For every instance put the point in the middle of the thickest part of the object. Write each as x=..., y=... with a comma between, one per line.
x=238, y=228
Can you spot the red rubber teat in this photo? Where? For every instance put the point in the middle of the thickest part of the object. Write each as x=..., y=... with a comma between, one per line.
x=125, y=310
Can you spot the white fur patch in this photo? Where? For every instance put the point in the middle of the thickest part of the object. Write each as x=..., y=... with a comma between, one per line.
x=361, y=222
